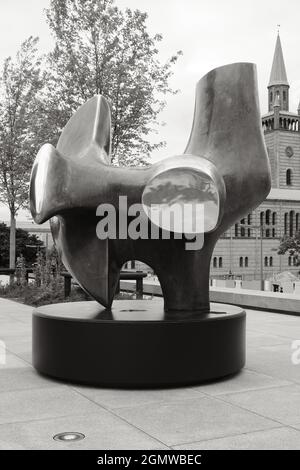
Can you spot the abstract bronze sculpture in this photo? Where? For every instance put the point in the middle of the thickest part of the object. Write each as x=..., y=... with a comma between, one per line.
x=224, y=169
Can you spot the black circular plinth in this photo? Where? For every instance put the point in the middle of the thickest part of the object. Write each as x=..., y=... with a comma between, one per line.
x=137, y=345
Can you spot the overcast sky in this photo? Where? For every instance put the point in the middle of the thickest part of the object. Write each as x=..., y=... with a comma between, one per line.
x=210, y=33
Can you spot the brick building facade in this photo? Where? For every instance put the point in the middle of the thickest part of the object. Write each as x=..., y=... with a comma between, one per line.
x=239, y=252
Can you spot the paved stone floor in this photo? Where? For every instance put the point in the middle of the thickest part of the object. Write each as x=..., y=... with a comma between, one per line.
x=258, y=408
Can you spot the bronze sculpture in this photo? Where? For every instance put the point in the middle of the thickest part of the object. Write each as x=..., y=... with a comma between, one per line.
x=224, y=168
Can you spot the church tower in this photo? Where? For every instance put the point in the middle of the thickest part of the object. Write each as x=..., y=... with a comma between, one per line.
x=240, y=252
x=278, y=84
x=282, y=127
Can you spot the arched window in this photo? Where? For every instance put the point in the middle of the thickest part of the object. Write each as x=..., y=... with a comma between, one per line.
x=220, y=262
x=268, y=214
x=241, y=262
x=294, y=261
x=262, y=214
x=236, y=230
x=273, y=233
x=215, y=262
x=284, y=95
x=271, y=261
x=290, y=261
x=271, y=97
x=288, y=177
x=285, y=223
x=291, y=223
x=249, y=219
x=266, y=261
x=246, y=262
x=274, y=217
x=242, y=231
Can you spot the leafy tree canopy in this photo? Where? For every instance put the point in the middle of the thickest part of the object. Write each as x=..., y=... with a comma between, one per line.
x=291, y=245
x=25, y=244
x=20, y=84
x=100, y=49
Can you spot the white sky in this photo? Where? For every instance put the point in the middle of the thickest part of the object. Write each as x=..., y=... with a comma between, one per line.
x=210, y=33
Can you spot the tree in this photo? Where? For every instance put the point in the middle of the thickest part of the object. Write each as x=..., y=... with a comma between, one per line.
x=20, y=84
x=25, y=245
x=292, y=246
x=101, y=50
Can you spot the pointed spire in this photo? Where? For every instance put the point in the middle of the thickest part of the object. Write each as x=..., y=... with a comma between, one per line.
x=278, y=73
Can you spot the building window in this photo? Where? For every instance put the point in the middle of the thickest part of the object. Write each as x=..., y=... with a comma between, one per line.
x=261, y=218
x=273, y=233
x=289, y=177
x=220, y=262
x=268, y=214
x=215, y=262
x=241, y=262
x=271, y=261
x=268, y=233
x=274, y=216
x=266, y=261
x=285, y=223
x=291, y=223
x=246, y=262
x=271, y=96
x=290, y=261
x=294, y=261
x=297, y=221
x=284, y=95
x=236, y=230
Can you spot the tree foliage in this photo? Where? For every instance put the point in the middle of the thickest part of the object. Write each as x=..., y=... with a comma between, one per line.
x=291, y=245
x=100, y=49
x=20, y=84
x=25, y=244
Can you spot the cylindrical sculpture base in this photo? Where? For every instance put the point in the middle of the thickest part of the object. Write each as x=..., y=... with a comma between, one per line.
x=137, y=344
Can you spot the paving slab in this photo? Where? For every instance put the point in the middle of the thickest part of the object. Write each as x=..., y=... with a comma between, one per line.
x=113, y=398
x=192, y=420
x=23, y=378
x=275, y=361
x=283, y=438
x=103, y=431
x=243, y=381
x=42, y=403
x=280, y=403
x=11, y=361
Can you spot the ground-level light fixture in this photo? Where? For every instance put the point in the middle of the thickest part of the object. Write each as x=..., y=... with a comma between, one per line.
x=69, y=436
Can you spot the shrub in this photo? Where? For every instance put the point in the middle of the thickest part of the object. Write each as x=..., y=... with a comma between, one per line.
x=47, y=286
